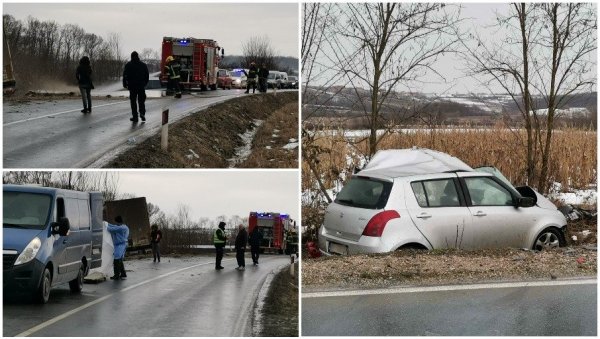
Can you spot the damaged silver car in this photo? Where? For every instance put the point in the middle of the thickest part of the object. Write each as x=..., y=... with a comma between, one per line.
x=424, y=199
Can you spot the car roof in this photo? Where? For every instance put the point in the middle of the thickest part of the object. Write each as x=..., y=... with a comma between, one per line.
x=409, y=162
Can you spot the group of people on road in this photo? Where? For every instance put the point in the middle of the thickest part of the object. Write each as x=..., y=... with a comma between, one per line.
x=135, y=79
x=241, y=240
x=253, y=73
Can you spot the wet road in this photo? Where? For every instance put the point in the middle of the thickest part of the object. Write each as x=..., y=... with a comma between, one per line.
x=558, y=310
x=55, y=134
x=177, y=297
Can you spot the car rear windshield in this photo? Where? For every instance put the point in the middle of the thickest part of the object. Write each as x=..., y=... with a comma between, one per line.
x=365, y=192
x=25, y=210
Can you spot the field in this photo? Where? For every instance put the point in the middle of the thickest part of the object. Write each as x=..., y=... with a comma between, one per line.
x=572, y=162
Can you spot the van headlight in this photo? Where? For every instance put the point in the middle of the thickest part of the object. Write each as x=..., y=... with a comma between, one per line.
x=29, y=252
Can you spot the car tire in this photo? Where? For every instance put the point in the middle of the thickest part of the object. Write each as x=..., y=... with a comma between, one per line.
x=76, y=285
x=42, y=294
x=548, y=238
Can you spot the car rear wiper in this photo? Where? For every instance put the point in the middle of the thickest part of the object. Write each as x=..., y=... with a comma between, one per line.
x=346, y=201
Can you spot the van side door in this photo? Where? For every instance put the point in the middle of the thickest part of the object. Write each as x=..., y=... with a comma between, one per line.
x=73, y=250
x=60, y=243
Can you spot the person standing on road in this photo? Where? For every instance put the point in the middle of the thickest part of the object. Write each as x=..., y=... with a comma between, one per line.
x=135, y=79
x=155, y=237
x=251, y=74
x=173, y=70
x=240, y=247
x=219, y=239
x=120, y=236
x=254, y=241
x=84, y=79
x=263, y=74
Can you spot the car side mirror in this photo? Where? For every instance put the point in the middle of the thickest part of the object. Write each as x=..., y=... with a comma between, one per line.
x=61, y=227
x=525, y=202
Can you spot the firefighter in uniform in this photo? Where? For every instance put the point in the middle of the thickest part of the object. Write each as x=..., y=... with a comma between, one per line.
x=252, y=74
x=219, y=239
x=173, y=69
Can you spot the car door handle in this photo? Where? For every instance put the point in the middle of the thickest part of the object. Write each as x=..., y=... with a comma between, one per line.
x=479, y=214
x=424, y=216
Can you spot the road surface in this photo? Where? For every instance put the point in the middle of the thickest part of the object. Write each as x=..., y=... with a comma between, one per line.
x=177, y=297
x=55, y=134
x=556, y=310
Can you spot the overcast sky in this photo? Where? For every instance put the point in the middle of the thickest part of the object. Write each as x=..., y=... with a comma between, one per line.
x=214, y=193
x=143, y=25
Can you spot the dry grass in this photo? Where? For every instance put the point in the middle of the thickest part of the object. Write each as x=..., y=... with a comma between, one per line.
x=572, y=162
x=276, y=132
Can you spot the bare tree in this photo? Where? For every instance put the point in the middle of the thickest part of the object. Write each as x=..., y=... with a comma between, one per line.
x=259, y=50
x=546, y=53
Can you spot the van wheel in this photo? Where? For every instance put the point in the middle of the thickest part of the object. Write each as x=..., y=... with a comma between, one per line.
x=42, y=295
x=76, y=285
x=548, y=238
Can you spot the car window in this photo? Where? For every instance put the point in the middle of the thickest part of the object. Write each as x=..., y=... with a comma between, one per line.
x=419, y=193
x=364, y=192
x=438, y=193
x=487, y=192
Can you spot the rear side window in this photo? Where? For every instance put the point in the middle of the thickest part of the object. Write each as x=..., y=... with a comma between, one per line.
x=436, y=193
x=365, y=193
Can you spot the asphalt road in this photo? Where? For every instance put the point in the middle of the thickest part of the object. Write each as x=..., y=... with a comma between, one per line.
x=560, y=310
x=177, y=297
x=55, y=134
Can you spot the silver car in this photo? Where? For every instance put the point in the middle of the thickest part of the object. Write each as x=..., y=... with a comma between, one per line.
x=419, y=198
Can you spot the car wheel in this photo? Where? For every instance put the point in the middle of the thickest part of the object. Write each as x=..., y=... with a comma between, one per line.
x=548, y=238
x=42, y=295
x=76, y=285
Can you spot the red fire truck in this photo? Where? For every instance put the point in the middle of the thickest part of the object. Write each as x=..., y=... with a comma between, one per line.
x=199, y=59
x=273, y=227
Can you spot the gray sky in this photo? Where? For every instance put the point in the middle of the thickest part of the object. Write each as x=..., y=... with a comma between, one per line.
x=214, y=193
x=143, y=25
x=477, y=17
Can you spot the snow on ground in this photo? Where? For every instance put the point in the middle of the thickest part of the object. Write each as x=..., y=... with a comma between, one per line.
x=575, y=197
x=243, y=152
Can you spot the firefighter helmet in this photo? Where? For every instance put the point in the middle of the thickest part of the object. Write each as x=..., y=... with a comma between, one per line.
x=169, y=59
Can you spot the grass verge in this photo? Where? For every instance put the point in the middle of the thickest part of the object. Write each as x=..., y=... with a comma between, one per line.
x=280, y=312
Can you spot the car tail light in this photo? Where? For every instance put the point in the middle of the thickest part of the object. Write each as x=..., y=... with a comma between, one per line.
x=377, y=223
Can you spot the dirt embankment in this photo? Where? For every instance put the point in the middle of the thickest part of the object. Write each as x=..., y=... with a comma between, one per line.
x=213, y=138
x=445, y=267
x=280, y=311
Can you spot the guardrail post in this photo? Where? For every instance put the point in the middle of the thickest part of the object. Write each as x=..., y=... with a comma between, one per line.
x=164, y=133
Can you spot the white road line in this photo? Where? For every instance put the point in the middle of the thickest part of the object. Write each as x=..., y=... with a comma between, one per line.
x=59, y=113
x=398, y=290
x=99, y=300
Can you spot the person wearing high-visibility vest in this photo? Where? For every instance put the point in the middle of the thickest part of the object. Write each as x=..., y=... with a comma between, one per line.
x=173, y=68
x=219, y=239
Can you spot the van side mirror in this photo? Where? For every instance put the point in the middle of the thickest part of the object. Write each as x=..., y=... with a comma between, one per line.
x=223, y=52
x=61, y=227
x=525, y=202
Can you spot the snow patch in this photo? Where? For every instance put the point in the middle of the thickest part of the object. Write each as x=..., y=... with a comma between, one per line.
x=290, y=146
x=243, y=152
x=574, y=197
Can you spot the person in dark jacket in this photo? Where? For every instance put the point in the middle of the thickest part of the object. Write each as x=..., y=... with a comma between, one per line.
x=219, y=239
x=251, y=74
x=240, y=247
x=263, y=74
x=254, y=241
x=155, y=237
x=135, y=79
x=173, y=70
x=84, y=79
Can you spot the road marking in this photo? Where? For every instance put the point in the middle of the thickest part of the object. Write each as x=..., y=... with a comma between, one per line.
x=59, y=113
x=99, y=300
x=398, y=290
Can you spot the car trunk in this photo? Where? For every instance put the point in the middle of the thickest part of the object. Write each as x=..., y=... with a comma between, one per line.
x=359, y=200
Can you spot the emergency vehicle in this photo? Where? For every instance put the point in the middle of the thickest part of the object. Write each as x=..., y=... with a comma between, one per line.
x=199, y=59
x=273, y=227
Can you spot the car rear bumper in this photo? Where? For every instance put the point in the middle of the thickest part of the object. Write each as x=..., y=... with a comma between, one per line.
x=330, y=245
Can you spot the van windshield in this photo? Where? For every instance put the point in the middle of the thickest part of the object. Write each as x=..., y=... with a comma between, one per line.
x=365, y=192
x=26, y=210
